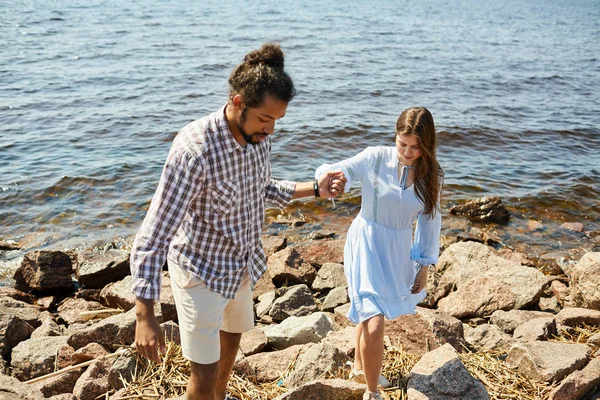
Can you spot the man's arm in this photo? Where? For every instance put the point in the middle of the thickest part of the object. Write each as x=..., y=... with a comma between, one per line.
x=330, y=185
x=148, y=336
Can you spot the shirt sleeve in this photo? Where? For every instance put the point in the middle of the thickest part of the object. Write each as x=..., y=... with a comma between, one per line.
x=354, y=168
x=426, y=247
x=181, y=180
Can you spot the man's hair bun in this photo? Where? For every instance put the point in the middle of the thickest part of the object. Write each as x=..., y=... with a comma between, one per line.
x=269, y=54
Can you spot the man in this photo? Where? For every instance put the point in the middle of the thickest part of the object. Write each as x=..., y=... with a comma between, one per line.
x=205, y=221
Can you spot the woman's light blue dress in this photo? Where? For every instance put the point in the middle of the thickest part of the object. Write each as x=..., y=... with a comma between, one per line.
x=379, y=255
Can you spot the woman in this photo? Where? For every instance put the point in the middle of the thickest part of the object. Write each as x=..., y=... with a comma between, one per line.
x=385, y=269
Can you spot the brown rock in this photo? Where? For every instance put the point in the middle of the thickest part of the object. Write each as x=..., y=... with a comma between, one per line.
x=336, y=297
x=344, y=339
x=98, y=268
x=547, y=361
x=253, y=341
x=294, y=301
x=94, y=381
x=171, y=331
x=318, y=360
x=263, y=285
x=535, y=225
x=484, y=209
x=572, y=226
x=44, y=271
x=510, y=320
x=574, y=386
x=36, y=357
x=124, y=367
x=441, y=374
x=578, y=316
x=330, y=389
x=48, y=328
x=273, y=244
x=585, y=282
x=489, y=337
x=320, y=252
x=13, y=389
x=13, y=330
x=25, y=311
x=536, y=329
x=70, y=309
x=330, y=276
x=560, y=291
x=287, y=266
x=267, y=367
x=88, y=352
x=60, y=384
x=6, y=291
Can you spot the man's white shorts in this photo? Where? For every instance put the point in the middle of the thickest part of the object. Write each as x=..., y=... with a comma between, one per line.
x=202, y=313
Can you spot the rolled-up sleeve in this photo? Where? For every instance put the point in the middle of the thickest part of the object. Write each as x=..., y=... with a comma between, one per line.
x=279, y=193
x=181, y=180
x=353, y=168
x=426, y=247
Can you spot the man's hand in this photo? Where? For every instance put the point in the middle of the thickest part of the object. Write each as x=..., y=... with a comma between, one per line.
x=149, y=338
x=331, y=184
x=420, y=280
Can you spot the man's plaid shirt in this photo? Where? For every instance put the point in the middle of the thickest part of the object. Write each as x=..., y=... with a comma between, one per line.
x=208, y=210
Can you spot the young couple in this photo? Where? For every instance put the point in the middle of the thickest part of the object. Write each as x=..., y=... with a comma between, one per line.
x=205, y=221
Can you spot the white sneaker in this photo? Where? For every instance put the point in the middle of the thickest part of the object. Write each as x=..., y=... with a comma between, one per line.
x=358, y=375
x=372, y=396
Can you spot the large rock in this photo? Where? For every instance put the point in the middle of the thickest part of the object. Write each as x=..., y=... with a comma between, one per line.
x=319, y=252
x=585, y=282
x=484, y=282
x=317, y=361
x=298, y=330
x=118, y=329
x=578, y=316
x=119, y=295
x=265, y=302
x=20, y=309
x=576, y=385
x=344, y=339
x=536, y=329
x=547, y=361
x=272, y=244
x=331, y=275
x=441, y=375
x=45, y=271
x=94, y=381
x=489, y=337
x=13, y=330
x=123, y=368
x=295, y=301
x=36, y=357
x=88, y=352
x=288, y=267
x=267, y=367
x=483, y=209
x=13, y=389
x=330, y=389
x=510, y=320
x=60, y=384
x=336, y=297
x=48, y=328
x=253, y=341
x=70, y=309
x=98, y=268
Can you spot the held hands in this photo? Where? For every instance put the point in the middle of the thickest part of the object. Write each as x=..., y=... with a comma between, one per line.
x=331, y=184
x=420, y=280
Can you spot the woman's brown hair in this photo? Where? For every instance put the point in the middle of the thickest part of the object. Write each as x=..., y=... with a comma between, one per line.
x=429, y=175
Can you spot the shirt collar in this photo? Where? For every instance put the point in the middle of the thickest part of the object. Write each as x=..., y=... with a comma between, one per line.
x=225, y=133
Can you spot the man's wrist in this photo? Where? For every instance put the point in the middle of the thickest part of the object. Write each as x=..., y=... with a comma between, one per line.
x=316, y=188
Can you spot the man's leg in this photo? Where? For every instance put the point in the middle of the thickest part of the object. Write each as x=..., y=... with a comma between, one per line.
x=230, y=343
x=202, y=382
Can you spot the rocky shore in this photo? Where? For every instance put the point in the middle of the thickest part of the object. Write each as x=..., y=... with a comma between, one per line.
x=72, y=308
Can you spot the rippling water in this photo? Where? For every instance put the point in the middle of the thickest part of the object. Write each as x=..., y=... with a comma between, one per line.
x=93, y=92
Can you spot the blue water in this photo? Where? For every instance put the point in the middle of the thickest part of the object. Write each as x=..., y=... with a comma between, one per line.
x=93, y=92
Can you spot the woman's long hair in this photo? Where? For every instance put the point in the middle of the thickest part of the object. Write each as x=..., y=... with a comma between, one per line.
x=429, y=175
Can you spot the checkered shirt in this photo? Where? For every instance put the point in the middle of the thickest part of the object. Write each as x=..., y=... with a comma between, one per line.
x=208, y=210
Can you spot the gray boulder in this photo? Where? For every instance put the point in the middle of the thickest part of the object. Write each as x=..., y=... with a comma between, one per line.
x=298, y=330
x=331, y=275
x=36, y=357
x=319, y=360
x=295, y=301
x=98, y=268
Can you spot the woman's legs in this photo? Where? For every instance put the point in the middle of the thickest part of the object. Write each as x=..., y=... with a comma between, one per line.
x=369, y=350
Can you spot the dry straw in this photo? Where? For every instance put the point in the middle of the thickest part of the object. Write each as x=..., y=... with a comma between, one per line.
x=167, y=380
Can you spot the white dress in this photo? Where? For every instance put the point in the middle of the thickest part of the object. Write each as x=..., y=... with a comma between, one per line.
x=380, y=255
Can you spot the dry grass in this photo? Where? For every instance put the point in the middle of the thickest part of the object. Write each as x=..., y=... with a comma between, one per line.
x=501, y=381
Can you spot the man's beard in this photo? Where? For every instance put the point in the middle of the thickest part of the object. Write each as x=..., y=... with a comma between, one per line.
x=248, y=137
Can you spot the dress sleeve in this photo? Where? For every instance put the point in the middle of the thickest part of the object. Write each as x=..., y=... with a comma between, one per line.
x=354, y=168
x=426, y=247
x=181, y=180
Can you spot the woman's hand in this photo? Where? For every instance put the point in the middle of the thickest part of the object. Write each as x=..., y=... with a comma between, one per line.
x=420, y=280
x=331, y=184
